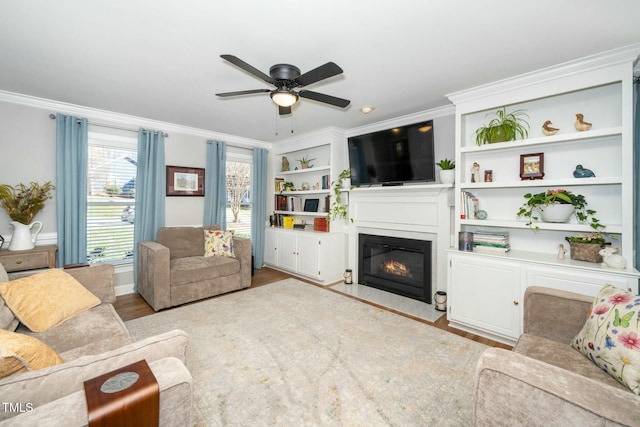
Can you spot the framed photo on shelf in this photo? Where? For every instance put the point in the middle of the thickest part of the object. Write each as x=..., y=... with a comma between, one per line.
x=531, y=166
x=279, y=185
x=311, y=205
x=185, y=181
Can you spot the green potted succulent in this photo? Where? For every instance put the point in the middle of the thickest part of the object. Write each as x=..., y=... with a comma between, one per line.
x=337, y=209
x=447, y=173
x=557, y=206
x=305, y=162
x=504, y=127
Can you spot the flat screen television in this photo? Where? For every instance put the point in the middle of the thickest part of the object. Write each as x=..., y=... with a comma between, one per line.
x=393, y=156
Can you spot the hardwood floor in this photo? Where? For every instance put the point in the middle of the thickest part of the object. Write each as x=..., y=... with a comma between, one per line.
x=132, y=306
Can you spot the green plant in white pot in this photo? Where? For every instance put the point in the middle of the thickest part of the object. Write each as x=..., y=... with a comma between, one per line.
x=504, y=127
x=447, y=171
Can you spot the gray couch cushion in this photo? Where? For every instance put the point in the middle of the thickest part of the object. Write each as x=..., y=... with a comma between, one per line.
x=563, y=356
x=183, y=241
x=198, y=268
x=8, y=320
x=93, y=331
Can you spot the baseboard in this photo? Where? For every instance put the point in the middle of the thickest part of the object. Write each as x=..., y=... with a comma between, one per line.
x=124, y=289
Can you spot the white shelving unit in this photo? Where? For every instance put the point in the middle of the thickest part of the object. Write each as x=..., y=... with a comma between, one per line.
x=319, y=256
x=600, y=87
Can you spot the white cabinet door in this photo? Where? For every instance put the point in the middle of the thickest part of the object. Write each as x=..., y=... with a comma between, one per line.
x=271, y=246
x=485, y=293
x=287, y=251
x=308, y=253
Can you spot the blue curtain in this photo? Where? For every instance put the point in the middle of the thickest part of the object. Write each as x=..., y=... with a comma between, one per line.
x=71, y=189
x=636, y=172
x=215, y=187
x=259, y=204
x=150, y=190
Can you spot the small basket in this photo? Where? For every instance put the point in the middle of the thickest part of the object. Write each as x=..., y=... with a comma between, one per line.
x=586, y=252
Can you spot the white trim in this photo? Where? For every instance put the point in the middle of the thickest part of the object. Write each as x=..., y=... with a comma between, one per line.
x=126, y=119
x=408, y=119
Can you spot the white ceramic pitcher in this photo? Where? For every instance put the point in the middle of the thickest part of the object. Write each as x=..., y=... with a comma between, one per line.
x=24, y=237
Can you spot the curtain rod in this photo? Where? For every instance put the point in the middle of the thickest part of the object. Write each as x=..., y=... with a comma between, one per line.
x=166, y=135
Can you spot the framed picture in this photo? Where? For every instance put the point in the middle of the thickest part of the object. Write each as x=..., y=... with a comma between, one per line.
x=279, y=185
x=532, y=166
x=311, y=205
x=183, y=181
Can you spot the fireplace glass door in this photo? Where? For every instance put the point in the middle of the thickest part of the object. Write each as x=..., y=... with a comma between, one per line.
x=400, y=266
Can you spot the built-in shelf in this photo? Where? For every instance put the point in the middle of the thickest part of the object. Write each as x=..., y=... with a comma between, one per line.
x=302, y=192
x=308, y=170
x=546, y=140
x=302, y=213
x=564, y=182
x=570, y=227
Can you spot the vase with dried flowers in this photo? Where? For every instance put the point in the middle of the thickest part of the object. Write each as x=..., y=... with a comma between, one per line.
x=22, y=203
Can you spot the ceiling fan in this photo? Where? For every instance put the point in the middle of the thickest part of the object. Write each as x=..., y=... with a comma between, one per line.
x=286, y=78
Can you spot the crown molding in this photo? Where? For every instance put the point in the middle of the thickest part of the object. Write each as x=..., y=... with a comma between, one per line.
x=113, y=118
x=408, y=119
x=623, y=55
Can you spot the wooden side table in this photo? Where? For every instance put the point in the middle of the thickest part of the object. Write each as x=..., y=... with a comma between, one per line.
x=31, y=259
x=129, y=396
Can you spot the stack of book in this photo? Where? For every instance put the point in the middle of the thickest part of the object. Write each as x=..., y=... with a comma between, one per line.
x=468, y=205
x=493, y=242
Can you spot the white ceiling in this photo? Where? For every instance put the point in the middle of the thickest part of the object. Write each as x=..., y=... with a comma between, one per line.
x=161, y=59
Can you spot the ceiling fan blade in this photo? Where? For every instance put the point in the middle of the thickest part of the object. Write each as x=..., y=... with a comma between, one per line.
x=327, y=99
x=242, y=92
x=248, y=68
x=283, y=111
x=325, y=71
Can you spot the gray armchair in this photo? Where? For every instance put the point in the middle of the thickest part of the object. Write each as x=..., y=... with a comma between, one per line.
x=173, y=270
x=544, y=381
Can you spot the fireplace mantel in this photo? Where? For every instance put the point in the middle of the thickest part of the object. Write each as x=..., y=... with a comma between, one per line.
x=423, y=212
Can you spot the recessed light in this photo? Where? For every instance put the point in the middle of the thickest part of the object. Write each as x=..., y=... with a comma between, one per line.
x=367, y=109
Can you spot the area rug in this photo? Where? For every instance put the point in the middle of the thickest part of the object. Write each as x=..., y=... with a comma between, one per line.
x=293, y=354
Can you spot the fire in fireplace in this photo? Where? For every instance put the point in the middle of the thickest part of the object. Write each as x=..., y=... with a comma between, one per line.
x=397, y=265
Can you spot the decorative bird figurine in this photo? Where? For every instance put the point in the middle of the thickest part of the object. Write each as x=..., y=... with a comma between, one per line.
x=581, y=125
x=548, y=130
x=581, y=172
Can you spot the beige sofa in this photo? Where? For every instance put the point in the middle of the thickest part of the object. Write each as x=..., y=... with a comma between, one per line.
x=92, y=343
x=544, y=381
x=173, y=270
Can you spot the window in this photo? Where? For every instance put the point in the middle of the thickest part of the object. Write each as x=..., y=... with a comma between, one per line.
x=111, y=189
x=238, y=182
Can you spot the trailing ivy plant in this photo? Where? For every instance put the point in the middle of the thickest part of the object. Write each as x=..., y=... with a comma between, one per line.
x=338, y=210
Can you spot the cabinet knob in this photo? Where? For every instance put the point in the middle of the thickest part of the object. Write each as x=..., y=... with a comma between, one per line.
x=516, y=302
x=19, y=261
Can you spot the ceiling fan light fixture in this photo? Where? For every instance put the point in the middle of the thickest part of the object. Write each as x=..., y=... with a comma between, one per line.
x=284, y=98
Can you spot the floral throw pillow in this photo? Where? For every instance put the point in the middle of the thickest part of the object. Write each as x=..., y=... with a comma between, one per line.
x=611, y=336
x=218, y=243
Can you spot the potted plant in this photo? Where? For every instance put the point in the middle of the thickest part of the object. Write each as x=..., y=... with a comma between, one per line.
x=305, y=162
x=558, y=206
x=22, y=203
x=586, y=247
x=447, y=173
x=288, y=186
x=504, y=127
x=337, y=209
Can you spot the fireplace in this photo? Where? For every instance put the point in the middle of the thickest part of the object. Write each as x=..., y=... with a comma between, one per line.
x=398, y=265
